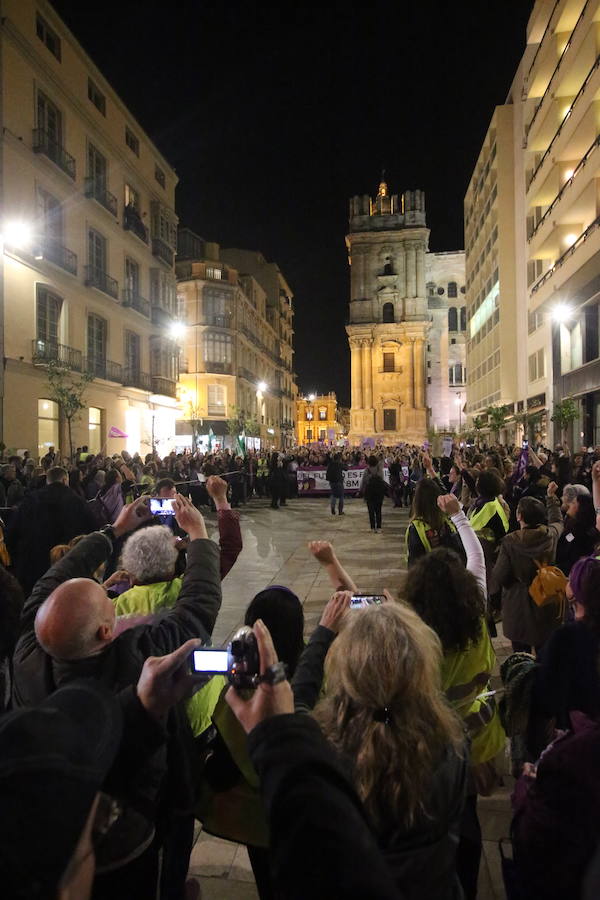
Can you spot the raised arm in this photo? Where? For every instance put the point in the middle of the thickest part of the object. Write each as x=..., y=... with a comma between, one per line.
x=323, y=551
x=596, y=490
x=228, y=520
x=308, y=677
x=555, y=519
x=475, y=556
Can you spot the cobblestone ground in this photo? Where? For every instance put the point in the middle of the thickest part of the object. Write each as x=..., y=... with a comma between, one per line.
x=275, y=552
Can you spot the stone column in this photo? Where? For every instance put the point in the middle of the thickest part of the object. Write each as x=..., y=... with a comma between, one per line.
x=410, y=378
x=356, y=375
x=367, y=375
x=419, y=373
x=411, y=270
x=420, y=270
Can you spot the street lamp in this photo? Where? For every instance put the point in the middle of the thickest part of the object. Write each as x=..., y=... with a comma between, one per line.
x=177, y=330
x=17, y=234
x=311, y=397
x=261, y=386
x=458, y=402
x=561, y=313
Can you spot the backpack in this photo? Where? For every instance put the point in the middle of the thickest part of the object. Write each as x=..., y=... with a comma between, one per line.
x=549, y=586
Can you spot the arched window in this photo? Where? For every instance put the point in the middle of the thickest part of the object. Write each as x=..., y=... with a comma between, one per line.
x=388, y=312
x=452, y=319
x=463, y=318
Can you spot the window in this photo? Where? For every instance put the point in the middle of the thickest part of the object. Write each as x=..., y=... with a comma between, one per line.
x=132, y=198
x=323, y=413
x=96, y=344
x=164, y=226
x=212, y=272
x=94, y=429
x=216, y=400
x=163, y=291
x=537, y=365
x=429, y=379
x=132, y=277
x=463, y=318
x=132, y=141
x=452, y=290
x=309, y=415
x=50, y=216
x=97, y=97
x=452, y=340
x=452, y=319
x=47, y=36
x=217, y=347
x=49, y=120
x=132, y=353
x=456, y=374
x=389, y=362
x=96, y=252
x=164, y=356
x=48, y=307
x=389, y=420
x=309, y=434
x=97, y=169
x=215, y=303
x=159, y=176
x=388, y=312
x=48, y=434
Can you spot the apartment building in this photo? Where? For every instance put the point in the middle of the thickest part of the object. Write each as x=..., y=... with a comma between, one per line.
x=89, y=236
x=236, y=347
x=489, y=210
x=561, y=160
x=446, y=340
x=317, y=419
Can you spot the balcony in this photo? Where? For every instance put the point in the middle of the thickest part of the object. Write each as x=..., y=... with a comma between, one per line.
x=132, y=377
x=103, y=368
x=164, y=386
x=132, y=300
x=218, y=321
x=218, y=368
x=97, y=278
x=160, y=316
x=59, y=255
x=43, y=352
x=44, y=143
x=95, y=189
x=132, y=222
x=162, y=251
x=247, y=374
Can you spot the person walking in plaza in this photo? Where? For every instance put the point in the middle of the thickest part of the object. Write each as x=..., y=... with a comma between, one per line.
x=373, y=489
x=335, y=477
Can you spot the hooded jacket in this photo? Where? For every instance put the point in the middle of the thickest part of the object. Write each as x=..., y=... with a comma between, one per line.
x=515, y=569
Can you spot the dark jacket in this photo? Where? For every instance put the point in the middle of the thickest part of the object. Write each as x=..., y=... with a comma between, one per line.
x=50, y=516
x=567, y=678
x=335, y=472
x=321, y=846
x=36, y=674
x=515, y=569
x=574, y=543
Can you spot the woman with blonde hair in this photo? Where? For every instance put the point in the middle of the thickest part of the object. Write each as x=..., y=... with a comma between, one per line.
x=386, y=715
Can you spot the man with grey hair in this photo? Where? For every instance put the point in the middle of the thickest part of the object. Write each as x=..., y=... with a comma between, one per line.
x=52, y=515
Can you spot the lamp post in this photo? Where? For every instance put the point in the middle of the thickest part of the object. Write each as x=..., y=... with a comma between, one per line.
x=458, y=402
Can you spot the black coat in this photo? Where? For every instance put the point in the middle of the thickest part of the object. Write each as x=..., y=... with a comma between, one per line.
x=50, y=516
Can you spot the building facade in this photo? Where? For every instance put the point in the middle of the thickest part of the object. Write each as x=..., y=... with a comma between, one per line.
x=446, y=341
x=388, y=320
x=236, y=349
x=89, y=232
x=317, y=419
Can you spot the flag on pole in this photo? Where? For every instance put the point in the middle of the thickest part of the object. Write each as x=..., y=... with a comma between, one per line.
x=241, y=443
x=116, y=432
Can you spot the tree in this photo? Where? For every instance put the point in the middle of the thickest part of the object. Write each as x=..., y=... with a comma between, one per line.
x=196, y=423
x=67, y=388
x=563, y=415
x=496, y=416
x=478, y=425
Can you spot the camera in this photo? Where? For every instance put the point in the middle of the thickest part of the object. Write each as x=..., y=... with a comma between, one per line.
x=239, y=662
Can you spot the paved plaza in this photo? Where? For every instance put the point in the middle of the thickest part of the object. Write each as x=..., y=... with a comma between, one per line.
x=275, y=552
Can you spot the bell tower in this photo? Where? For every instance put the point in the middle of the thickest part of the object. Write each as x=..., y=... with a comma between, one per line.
x=388, y=319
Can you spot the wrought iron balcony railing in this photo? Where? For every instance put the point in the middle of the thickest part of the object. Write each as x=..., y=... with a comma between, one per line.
x=96, y=277
x=43, y=142
x=59, y=255
x=164, y=386
x=132, y=222
x=162, y=251
x=132, y=377
x=133, y=300
x=43, y=351
x=95, y=188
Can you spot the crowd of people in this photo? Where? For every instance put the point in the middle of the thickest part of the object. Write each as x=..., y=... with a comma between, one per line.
x=349, y=764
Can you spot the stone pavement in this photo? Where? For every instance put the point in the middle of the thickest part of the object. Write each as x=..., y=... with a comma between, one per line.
x=275, y=552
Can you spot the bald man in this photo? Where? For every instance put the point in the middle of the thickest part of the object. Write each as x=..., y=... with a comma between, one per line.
x=67, y=626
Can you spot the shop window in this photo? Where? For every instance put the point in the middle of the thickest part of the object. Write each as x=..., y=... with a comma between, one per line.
x=48, y=432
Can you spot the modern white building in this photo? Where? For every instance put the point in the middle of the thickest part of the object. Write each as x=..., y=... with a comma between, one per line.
x=446, y=340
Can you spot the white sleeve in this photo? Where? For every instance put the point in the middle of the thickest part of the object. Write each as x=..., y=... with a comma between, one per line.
x=473, y=549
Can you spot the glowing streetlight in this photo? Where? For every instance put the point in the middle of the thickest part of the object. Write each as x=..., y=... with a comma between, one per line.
x=177, y=330
x=261, y=386
x=311, y=397
x=17, y=234
x=561, y=313
x=570, y=239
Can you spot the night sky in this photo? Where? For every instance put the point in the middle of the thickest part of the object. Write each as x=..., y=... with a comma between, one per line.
x=273, y=115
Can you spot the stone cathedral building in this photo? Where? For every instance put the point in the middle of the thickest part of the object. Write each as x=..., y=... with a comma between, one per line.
x=403, y=366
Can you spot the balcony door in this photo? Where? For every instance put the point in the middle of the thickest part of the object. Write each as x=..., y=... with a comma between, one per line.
x=132, y=353
x=96, y=168
x=49, y=119
x=132, y=277
x=96, y=252
x=50, y=216
x=47, y=317
x=96, y=341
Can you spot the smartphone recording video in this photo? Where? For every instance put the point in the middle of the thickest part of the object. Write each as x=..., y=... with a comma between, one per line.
x=162, y=506
x=361, y=601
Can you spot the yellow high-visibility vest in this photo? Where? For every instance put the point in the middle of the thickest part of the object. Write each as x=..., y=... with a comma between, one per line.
x=421, y=527
x=480, y=519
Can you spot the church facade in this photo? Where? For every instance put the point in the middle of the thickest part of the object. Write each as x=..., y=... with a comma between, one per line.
x=406, y=323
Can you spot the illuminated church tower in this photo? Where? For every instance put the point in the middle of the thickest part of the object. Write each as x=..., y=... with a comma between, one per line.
x=388, y=319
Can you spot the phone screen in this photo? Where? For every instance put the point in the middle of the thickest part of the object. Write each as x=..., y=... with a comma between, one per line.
x=161, y=506
x=210, y=661
x=525, y=444
x=405, y=471
x=360, y=601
